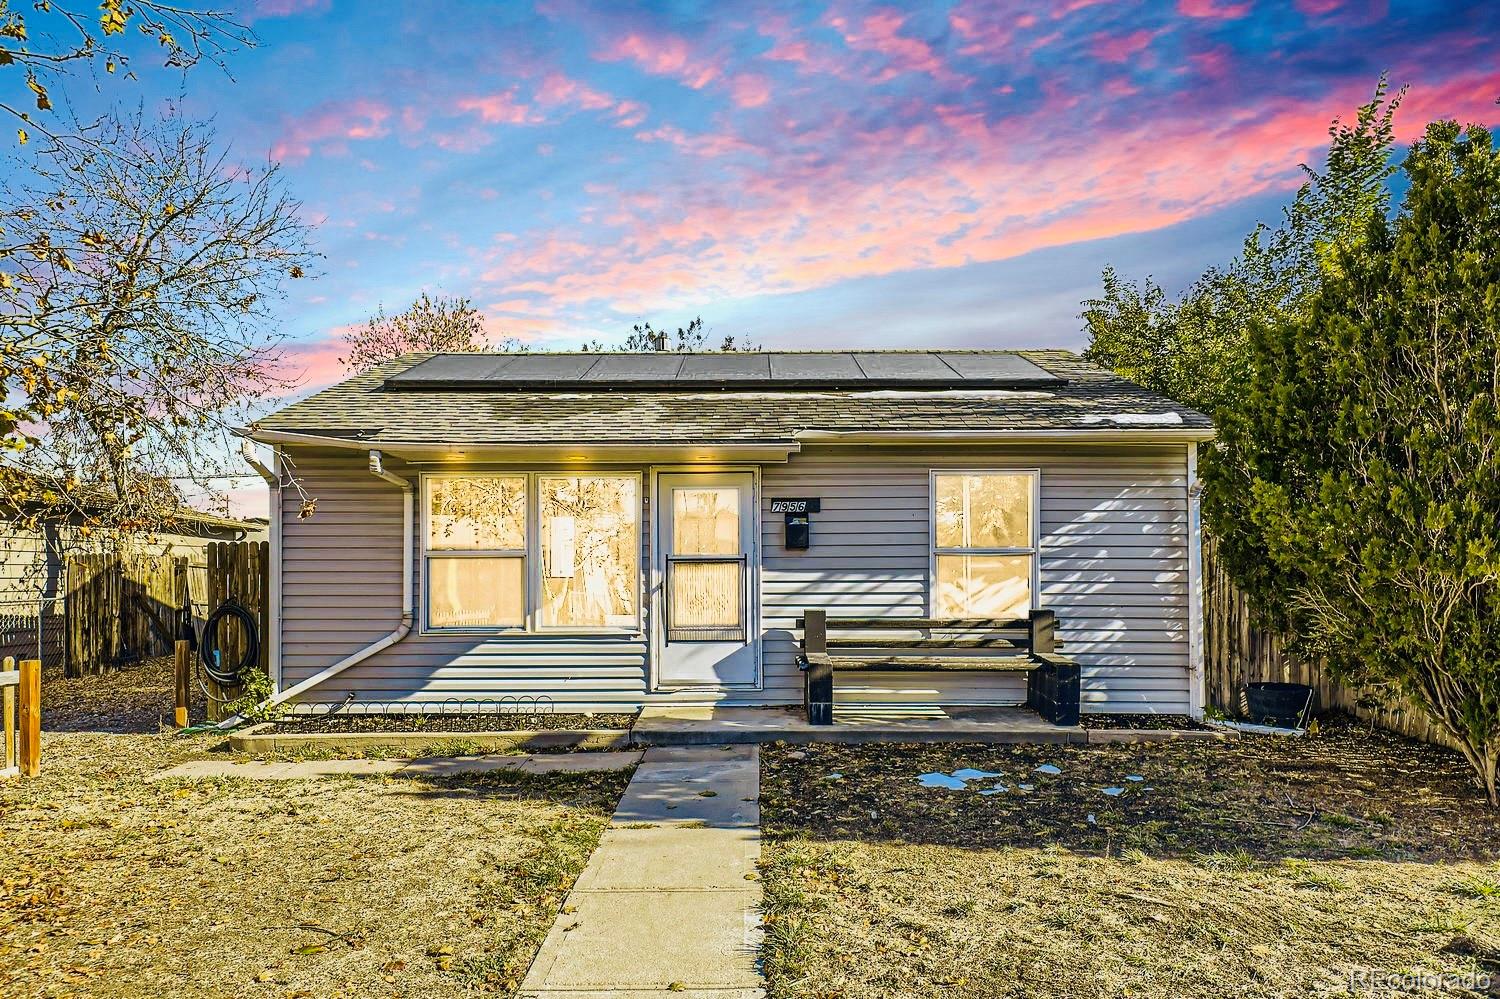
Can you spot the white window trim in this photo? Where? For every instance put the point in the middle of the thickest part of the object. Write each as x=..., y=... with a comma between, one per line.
x=933, y=551
x=532, y=553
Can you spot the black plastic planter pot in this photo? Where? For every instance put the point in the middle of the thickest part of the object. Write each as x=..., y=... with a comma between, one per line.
x=1286, y=705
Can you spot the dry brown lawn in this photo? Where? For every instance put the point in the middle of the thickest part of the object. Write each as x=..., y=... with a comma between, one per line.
x=1261, y=868
x=112, y=886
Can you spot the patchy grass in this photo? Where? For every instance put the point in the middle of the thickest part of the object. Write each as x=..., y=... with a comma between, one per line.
x=390, y=886
x=1258, y=868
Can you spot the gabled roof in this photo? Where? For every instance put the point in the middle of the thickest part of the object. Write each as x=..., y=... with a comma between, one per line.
x=568, y=399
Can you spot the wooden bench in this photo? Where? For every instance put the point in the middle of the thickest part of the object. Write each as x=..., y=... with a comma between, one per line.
x=1026, y=645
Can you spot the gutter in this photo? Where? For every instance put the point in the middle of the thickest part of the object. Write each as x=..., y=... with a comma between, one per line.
x=1103, y=435
x=631, y=451
x=403, y=627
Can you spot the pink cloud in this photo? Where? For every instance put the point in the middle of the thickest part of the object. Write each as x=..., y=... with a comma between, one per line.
x=663, y=55
x=1219, y=10
x=880, y=32
x=1120, y=48
x=795, y=223
x=749, y=90
x=697, y=145
x=1066, y=7
x=314, y=364
x=248, y=500
x=559, y=90
x=330, y=127
x=499, y=109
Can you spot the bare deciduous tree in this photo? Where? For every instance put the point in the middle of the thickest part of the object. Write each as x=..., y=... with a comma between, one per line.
x=51, y=40
x=645, y=338
x=443, y=325
x=134, y=294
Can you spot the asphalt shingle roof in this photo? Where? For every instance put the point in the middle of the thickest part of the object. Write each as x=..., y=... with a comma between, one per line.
x=362, y=408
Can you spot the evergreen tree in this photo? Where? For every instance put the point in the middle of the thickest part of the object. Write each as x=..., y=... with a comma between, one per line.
x=1356, y=485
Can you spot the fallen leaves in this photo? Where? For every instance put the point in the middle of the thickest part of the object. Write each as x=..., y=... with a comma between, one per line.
x=114, y=887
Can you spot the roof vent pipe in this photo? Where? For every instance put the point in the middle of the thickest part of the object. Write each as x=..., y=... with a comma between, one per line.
x=403, y=627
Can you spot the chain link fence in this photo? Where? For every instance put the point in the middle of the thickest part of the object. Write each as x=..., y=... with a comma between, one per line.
x=33, y=628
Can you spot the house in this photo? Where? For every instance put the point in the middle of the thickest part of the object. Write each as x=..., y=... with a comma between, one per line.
x=600, y=531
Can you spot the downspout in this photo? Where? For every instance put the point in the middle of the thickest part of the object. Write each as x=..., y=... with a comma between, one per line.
x=403, y=628
x=273, y=623
x=1197, y=673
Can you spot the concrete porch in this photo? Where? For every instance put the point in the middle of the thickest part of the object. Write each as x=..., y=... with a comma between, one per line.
x=693, y=726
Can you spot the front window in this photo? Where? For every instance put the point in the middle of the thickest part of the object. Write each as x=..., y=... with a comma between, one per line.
x=496, y=559
x=984, y=544
x=590, y=551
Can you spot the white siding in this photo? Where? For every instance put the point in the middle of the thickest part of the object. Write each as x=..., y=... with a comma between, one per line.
x=1113, y=564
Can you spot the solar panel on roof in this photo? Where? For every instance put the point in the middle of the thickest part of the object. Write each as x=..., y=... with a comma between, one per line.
x=635, y=367
x=846, y=370
x=724, y=367
x=817, y=367
x=546, y=368
x=996, y=367
x=447, y=367
x=921, y=367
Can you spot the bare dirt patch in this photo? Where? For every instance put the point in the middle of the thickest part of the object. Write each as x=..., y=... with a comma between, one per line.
x=392, y=886
x=1263, y=867
x=1136, y=723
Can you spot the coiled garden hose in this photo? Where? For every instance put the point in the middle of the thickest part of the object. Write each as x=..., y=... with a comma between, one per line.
x=208, y=648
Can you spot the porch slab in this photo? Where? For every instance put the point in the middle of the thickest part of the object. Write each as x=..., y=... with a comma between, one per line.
x=694, y=726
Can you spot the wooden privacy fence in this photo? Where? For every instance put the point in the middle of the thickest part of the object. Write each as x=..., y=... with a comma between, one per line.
x=1237, y=652
x=21, y=718
x=122, y=608
x=240, y=571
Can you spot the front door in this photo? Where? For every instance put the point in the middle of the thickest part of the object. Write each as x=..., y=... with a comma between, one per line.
x=706, y=556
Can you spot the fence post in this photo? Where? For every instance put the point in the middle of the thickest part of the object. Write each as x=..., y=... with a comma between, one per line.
x=8, y=710
x=182, y=662
x=31, y=717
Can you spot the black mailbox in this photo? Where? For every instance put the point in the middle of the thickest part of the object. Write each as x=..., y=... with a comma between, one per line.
x=798, y=523
x=798, y=531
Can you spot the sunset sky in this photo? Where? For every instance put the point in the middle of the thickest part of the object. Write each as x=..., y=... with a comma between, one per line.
x=809, y=175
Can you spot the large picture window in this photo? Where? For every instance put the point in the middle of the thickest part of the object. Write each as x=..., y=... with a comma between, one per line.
x=984, y=543
x=590, y=551
x=515, y=550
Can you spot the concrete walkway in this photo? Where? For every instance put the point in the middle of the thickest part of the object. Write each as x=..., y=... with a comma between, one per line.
x=670, y=902
x=442, y=766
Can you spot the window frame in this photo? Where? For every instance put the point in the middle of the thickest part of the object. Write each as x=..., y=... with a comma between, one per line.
x=1033, y=550
x=531, y=555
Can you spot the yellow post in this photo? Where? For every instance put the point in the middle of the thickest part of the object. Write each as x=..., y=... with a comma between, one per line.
x=183, y=663
x=8, y=711
x=31, y=717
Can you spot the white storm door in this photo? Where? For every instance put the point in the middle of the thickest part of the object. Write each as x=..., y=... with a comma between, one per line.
x=706, y=561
